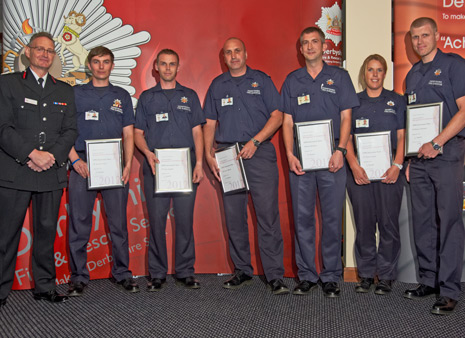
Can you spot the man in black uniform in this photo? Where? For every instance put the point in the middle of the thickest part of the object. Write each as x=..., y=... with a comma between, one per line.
x=37, y=130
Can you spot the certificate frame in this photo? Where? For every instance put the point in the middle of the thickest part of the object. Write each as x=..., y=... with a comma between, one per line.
x=109, y=174
x=416, y=135
x=181, y=162
x=232, y=174
x=374, y=166
x=306, y=134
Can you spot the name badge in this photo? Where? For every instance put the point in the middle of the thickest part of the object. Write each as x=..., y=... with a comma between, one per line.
x=362, y=123
x=227, y=102
x=161, y=117
x=412, y=98
x=92, y=115
x=303, y=99
x=30, y=101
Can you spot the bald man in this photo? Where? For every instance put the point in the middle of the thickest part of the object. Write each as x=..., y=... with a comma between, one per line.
x=243, y=106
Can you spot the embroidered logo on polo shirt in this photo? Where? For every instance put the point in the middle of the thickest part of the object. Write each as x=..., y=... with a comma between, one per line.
x=390, y=103
x=254, y=91
x=328, y=90
x=117, y=106
x=437, y=72
x=186, y=108
x=184, y=99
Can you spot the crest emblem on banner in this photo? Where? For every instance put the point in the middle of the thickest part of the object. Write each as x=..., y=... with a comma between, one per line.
x=77, y=27
x=330, y=23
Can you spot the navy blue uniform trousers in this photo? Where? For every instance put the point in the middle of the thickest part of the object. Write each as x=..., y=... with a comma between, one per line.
x=331, y=189
x=376, y=203
x=81, y=205
x=184, y=246
x=437, y=199
x=262, y=175
x=45, y=207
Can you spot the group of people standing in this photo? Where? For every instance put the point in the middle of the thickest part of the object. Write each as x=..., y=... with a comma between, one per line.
x=42, y=123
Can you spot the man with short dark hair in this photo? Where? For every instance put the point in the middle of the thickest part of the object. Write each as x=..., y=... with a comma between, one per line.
x=37, y=130
x=104, y=111
x=435, y=178
x=169, y=115
x=318, y=92
x=242, y=105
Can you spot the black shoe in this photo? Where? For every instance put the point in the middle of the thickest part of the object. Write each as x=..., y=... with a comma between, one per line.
x=155, y=284
x=365, y=285
x=384, y=287
x=76, y=289
x=188, y=282
x=240, y=279
x=128, y=285
x=304, y=287
x=278, y=287
x=444, y=306
x=331, y=289
x=51, y=296
x=420, y=292
x=2, y=302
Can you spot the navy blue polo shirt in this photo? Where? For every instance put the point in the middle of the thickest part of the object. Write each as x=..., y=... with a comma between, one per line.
x=168, y=120
x=322, y=98
x=101, y=117
x=242, y=107
x=441, y=80
x=383, y=113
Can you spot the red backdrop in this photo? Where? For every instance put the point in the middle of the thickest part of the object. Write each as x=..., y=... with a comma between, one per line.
x=197, y=31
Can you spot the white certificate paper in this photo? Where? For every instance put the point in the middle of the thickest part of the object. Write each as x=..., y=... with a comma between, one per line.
x=424, y=123
x=374, y=153
x=174, y=172
x=232, y=173
x=315, y=144
x=105, y=162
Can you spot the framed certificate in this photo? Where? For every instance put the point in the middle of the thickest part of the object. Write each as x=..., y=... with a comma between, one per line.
x=174, y=172
x=374, y=153
x=232, y=173
x=315, y=144
x=105, y=162
x=424, y=122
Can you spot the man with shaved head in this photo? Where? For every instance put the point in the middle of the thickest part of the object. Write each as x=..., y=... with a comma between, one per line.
x=243, y=106
x=435, y=177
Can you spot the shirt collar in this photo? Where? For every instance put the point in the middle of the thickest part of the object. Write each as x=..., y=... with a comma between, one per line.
x=37, y=76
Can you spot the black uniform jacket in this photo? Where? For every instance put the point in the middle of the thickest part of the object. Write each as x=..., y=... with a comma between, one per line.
x=35, y=118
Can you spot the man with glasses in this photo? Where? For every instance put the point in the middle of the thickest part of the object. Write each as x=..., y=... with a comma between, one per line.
x=37, y=130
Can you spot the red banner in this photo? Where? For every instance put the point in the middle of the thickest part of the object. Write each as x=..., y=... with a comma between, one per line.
x=135, y=32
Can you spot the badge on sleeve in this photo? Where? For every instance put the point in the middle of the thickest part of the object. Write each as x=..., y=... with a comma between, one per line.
x=412, y=98
x=228, y=101
x=92, y=115
x=161, y=117
x=362, y=123
x=303, y=99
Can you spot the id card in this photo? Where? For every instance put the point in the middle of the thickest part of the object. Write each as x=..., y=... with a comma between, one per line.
x=161, y=117
x=362, y=123
x=92, y=115
x=303, y=99
x=227, y=101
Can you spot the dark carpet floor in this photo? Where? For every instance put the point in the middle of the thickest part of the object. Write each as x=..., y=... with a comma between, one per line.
x=211, y=311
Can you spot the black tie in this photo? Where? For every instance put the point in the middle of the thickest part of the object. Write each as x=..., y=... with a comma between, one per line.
x=41, y=82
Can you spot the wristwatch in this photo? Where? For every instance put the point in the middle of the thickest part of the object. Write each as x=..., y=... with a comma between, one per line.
x=435, y=146
x=342, y=150
x=400, y=166
x=256, y=143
